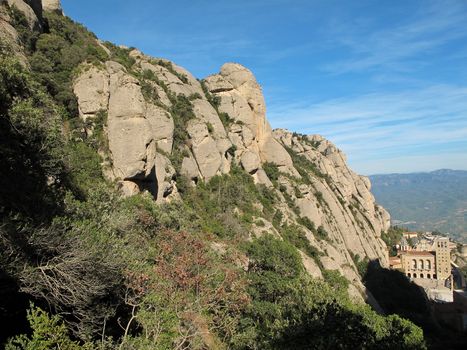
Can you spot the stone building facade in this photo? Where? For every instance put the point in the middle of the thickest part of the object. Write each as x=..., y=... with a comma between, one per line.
x=434, y=263
x=419, y=264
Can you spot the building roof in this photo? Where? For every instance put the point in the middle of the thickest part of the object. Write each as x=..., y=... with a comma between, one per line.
x=410, y=234
x=418, y=253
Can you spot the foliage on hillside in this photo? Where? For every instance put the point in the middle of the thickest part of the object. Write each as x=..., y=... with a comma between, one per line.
x=132, y=274
x=393, y=237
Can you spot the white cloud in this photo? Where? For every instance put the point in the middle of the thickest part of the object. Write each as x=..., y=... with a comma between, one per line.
x=436, y=24
x=378, y=129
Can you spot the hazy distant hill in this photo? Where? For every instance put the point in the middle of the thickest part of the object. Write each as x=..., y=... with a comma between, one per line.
x=426, y=201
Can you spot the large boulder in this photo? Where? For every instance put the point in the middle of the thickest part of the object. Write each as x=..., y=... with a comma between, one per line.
x=204, y=148
x=26, y=7
x=52, y=5
x=135, y=127
x=132, y=146
x=242, y=100
x=162, y=126
x=92, y=91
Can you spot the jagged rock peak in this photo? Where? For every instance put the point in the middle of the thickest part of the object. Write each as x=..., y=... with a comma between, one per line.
x=52, y=5
x=242, y=99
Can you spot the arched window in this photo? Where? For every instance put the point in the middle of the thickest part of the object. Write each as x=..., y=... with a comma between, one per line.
x=414, y=264
x=421, y=264
x=421, y=275
x=428, y=275
x=414, y=275
x=428, y=265
x=409, y=275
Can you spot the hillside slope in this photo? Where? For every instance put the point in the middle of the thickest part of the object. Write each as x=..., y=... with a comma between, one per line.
x=146, y=209
x=177, y=133
x=426, y=201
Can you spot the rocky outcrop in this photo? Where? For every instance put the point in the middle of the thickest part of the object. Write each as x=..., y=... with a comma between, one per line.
x=224, y=126
x=92, y=90
x=242, y=100
x=134, y=127
x=32, y=10
x=336, y=198
x=27, y=8
x=52, y=5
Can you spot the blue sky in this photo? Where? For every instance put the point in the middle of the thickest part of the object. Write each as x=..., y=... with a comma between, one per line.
x=385, y=80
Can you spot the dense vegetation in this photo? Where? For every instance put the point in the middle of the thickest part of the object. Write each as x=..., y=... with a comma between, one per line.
x=83, y=268
x=393, y=237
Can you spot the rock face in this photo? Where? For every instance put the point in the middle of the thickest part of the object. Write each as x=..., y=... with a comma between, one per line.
x=52, y=5
x=32, y=10
x=355, y=220
x=33, y=17
x=242, y=100
x=163, y=123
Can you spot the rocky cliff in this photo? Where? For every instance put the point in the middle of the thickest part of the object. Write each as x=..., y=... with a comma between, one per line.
x=142, y=208
x=163, y=126
x=227, y=126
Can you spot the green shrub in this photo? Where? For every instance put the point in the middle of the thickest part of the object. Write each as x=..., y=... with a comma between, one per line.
x=57, y=55
x=47, y=333
x=226, y=120
x=305, y=221
x=27, y=37
x=181, y=112
x=120, y=55
x=322, y=233
x=216, y=201
x=210, y=127
x=212, y=99
x=32, y=144
x=169, y=66
x=362, y=265
x=304, y=166
x=392, y=237
x=231, y=151
x=295, y=236
x=337, y=282
x=272, y=171
x=84, y=165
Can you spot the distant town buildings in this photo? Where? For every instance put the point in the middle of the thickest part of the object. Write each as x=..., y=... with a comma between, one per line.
x=426, y=260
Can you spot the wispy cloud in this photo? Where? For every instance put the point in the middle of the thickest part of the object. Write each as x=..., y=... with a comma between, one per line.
x=385, y=126
x=431, y=27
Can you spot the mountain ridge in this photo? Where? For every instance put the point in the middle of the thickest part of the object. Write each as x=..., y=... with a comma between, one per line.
x=427, y=200
x=148, y=198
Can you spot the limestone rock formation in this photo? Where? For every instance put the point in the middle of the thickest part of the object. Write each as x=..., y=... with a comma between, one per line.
x=52, y=5
x=26, y=7
x=92, y=91
x=32, y=10
x=356, y=222
x=162, y=123
x=242, y=100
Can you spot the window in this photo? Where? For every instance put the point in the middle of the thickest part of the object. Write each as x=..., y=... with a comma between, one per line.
x=414, y=264
x=428, y=265
x=421, y=264
x=421, y=275
x=414, y=275
x=428, y=275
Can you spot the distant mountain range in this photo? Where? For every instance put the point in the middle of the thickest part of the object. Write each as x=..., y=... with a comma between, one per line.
x=425, y=201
